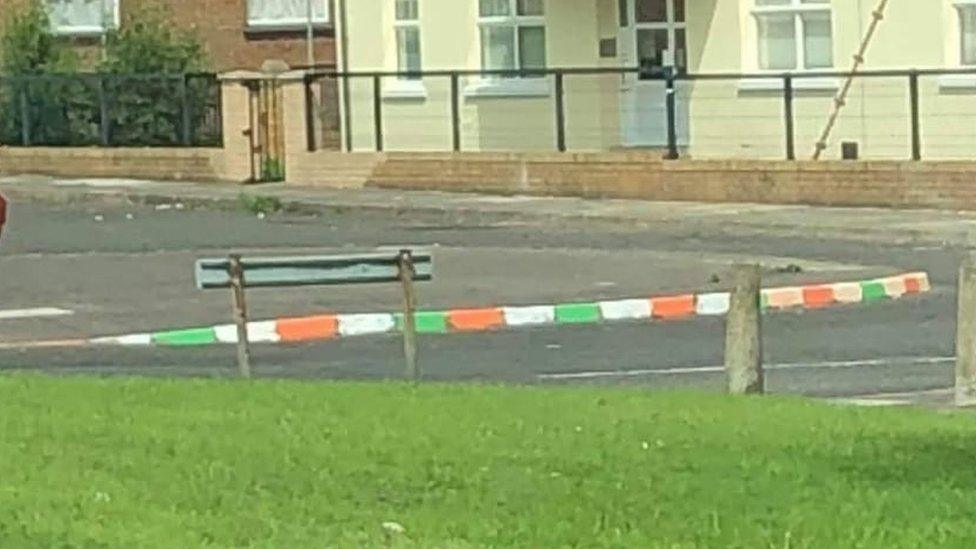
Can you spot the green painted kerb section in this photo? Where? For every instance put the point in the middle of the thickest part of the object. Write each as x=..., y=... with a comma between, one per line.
x=428, y=322
x=873, y=291
x=185, y=338
x=431, y=322
x=577, y=313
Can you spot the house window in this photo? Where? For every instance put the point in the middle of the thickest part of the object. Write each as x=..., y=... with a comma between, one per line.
x=967, y=31
x=513, y=34
x=80, y=17
x=408, y=37
x=286, y=14
x=794, y=34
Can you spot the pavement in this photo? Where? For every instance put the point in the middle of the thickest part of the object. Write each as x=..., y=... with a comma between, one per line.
x=890, y=226
x=108, y=257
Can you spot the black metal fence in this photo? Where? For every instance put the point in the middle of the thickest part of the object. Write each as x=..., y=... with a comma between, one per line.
x=105, y=110
x=911, y=114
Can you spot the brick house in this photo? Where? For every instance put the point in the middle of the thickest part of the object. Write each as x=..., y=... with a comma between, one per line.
x=237, y=34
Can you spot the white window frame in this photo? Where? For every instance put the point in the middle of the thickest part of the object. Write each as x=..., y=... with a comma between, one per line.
x=961, y=6
x=91, y=30
x=406, y=24
x=403, y=87
x=670, y=24
x=294, y=23
x=959, y=81
x=797, y=9
x=515, y=21
x=509, y=86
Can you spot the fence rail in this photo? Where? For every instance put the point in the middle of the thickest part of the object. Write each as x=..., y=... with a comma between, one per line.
x=104, y=110
x=931, y=123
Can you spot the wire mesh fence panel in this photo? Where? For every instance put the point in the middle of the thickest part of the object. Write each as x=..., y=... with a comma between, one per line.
x=417, y=114
x=50, y=111
x=593, y=112
x=205, y=110
x=110, y=110
x=325, y=129
x=734, y=118
x=361, y=114
x=144, y=111
x=758, y=116
x=947, y=114
x=508, y=114
x=643, y=113
x=873, y=122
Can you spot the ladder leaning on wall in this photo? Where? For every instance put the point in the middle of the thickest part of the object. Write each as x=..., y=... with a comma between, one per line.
x=841, y=99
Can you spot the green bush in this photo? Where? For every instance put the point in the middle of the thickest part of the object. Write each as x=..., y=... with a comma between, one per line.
x=260, y=205
x=29, y=48
x=149, y=42
x=65, y=106
x=27, y=45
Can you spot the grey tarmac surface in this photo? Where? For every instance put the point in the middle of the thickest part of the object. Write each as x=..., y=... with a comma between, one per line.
x=125, y=268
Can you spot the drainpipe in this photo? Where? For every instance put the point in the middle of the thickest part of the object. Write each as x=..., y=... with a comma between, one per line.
x=864, y=92
x=344, y=68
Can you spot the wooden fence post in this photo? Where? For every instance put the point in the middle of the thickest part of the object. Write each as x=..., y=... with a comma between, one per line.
x=406, y=272
x=743, y=338
x=240, y=316
x=966, y=335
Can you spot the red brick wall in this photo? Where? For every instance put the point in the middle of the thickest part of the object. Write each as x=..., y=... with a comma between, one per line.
x=221, y=27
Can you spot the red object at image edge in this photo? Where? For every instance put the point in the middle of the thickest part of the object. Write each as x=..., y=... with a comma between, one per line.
x=3, y=213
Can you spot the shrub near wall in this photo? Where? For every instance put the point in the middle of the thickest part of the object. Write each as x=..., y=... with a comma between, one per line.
x=29, y=49
x=142, y=96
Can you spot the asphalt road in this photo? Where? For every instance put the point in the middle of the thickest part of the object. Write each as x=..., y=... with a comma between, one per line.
x=121, y=270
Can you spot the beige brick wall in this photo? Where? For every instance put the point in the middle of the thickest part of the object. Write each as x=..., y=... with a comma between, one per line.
x=944, y=185
x=156, y=163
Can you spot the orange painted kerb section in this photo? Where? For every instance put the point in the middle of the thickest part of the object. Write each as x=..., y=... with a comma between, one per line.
x=818, y=297
x=678, y=306
x=476, y=320
x=308, y=329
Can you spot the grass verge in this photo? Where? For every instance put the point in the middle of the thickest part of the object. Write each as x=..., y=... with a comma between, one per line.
x=145, y=463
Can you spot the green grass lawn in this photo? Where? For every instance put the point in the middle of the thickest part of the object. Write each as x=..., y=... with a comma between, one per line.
x=144, y=463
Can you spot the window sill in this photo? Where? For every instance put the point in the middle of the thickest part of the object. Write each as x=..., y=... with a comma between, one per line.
x=405, y=89
x=80, y=32
x=957, y=82
x=800, y=83
x=509, y=87
x=259, y=28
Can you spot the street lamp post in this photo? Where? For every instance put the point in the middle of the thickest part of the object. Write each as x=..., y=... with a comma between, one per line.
x=103, y=15
x=309, y=34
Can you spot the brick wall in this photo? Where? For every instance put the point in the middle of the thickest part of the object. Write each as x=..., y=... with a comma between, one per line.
x=946, y=185
x=230, y=163
x=942, y=185
x=172, y=164
x=222, y=27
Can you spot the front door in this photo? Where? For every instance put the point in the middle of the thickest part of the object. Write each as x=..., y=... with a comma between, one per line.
x=652, y=36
